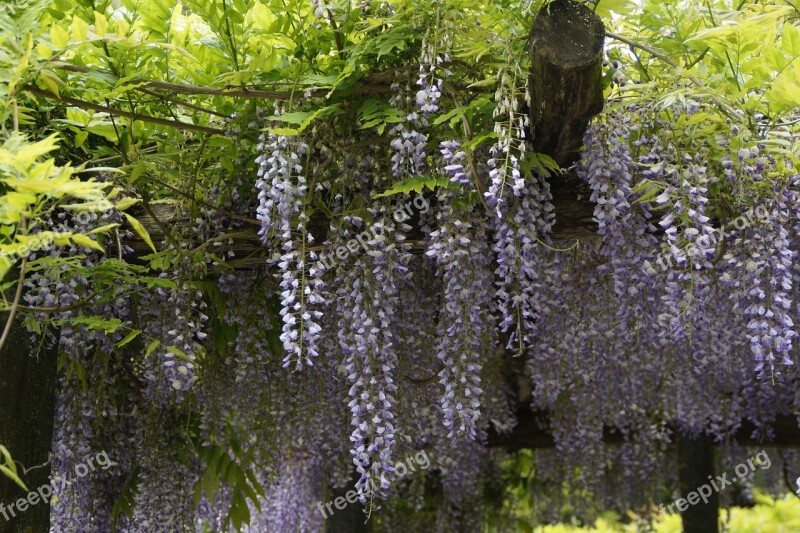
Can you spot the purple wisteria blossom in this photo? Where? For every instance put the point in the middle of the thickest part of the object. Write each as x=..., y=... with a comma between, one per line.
x=461, y=253
x=454, y=160
x=282, y=188
x=431, y=90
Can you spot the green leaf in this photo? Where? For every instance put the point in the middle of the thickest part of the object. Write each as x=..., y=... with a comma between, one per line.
x=137, y=170
x=100, y=24
x=544, y=164
x=478, y=140
x=450, y=115
x=784, y=93
x=178, y=352
x=93, y=323
x=83, y=240
x=775, y=59
x=140, y=231
x=375, y=113
x=127, y=498
x=790, y=40
x=288, y=132
x=80, y=370
x=59, y=36
x=103, y=229
x=80, y=138
x=648, y=190
x=603, y=8
x=13, y=476
x=10, y=467
x=80, y=29
x=414, y=184
x=128, y=338
x=151, y=348
x=211, y=290
x=297, y=117
x=488, y=82
x=33, y=325
x=319, y=81
x=164, y=283
x=302, y=119
x=125, y=203
x=747, y=33
x=221, y=336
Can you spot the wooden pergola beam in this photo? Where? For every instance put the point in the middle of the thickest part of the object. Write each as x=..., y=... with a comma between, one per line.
x=532, y=432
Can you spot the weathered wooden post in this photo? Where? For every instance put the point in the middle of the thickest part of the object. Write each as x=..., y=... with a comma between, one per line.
x=566, y=51
x=27, y=405
x=695, y=465
x=565, y=46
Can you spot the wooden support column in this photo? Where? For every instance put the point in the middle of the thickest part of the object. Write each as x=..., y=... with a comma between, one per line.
x=27, y=405
x=352, y=518
x=566, y=50
x=695, y=464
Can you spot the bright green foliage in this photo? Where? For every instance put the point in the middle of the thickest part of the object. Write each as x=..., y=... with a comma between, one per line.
x=768, y=516
x=9, y=468
x=744, y=52
x=32, y=188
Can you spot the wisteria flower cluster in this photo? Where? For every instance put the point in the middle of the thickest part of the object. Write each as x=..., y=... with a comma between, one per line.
x=368, y=305
x=282, y=187
x=460, y=250
x=408, y=143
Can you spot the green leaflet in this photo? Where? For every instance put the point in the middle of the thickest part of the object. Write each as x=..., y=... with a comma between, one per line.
x=415, y=184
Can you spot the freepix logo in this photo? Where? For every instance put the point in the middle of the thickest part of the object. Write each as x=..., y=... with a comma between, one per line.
x=401, y=470
x=719, y=483
x=59, y=484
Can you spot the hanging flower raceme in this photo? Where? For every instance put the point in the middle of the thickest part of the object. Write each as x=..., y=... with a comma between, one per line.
x=768, y=269
x=176, y=316
x=301, y=295
x=291, y=498
x=281, y=184
x=430, y=91
x=251, y=353
x=455, y=159
x=503, y=167
x=431, y=73
x=460, y=249
x=519, y=262
x=689, y=249
x=516, y=243
x=505, y=155
x=760, y=263
x=367, y=302
x=163, y=503
x=608, y=167
x=408, y=143
x=282, y=188
x=460, y=464
x=72, y=445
